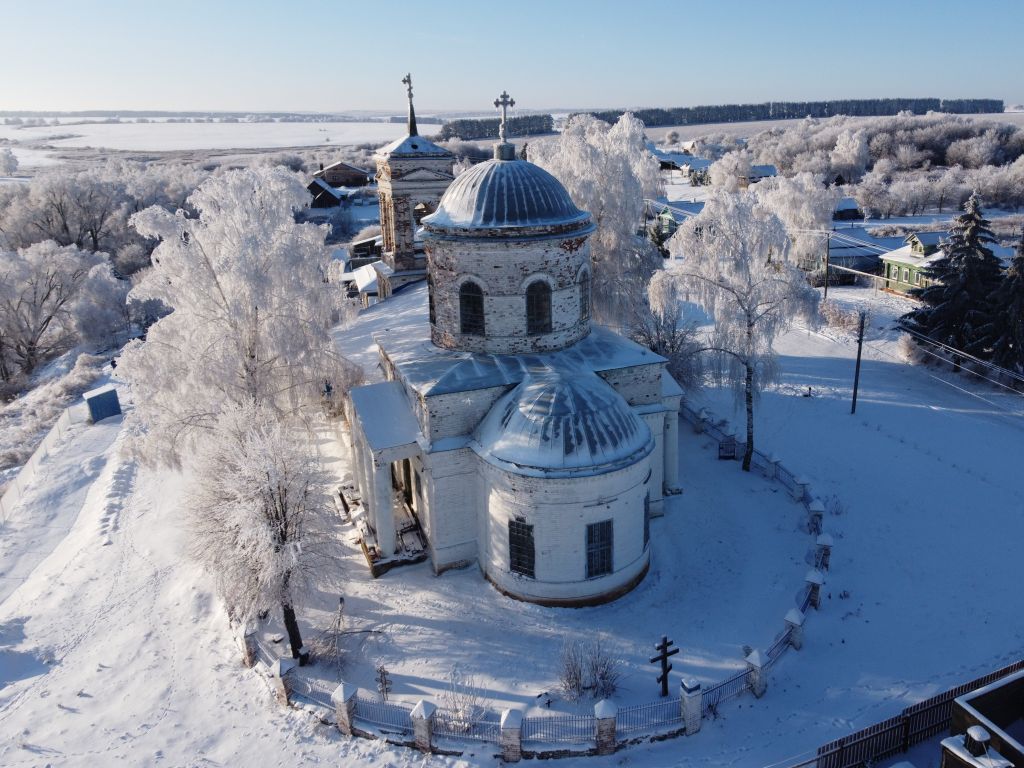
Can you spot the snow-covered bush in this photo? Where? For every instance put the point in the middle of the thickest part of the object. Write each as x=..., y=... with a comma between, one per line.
x=8, y=162
x=835, y=316
x=587, y=667
x=462, y=700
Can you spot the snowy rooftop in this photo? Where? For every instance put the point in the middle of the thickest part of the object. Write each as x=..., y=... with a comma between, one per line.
x=558, y=422
x=366, y=278
x=847, y=204
x=415, y=146
x=384, y=415
x=505, y=193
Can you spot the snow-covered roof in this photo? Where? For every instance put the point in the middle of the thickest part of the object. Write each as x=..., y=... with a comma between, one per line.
x=761, y=171
x=366, y=278
x=413, y=146
x=928, y=238
x=847, y=204
x=500, y=194
x=385, y=415
x=557, y=422
x=906, y=255
x=341, y=164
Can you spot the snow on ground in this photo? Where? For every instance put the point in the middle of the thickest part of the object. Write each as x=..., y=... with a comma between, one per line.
x=162, y=136
x=116, y=652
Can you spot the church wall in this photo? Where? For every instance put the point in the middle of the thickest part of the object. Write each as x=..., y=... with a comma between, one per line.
x=638, y=385
x=656, y=423
x=458, y=413
x=560, y=509
x=503, y=269
x=451, y=523
x=398, y=197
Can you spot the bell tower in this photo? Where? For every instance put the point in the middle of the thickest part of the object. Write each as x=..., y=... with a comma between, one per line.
x=412, y=174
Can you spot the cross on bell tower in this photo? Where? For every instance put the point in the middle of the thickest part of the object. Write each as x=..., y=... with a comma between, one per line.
x=503, y=150
x=407, y=82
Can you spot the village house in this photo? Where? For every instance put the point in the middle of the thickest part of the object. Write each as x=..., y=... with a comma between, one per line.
x=903, y=269
x=342, y=174
x=847, y=210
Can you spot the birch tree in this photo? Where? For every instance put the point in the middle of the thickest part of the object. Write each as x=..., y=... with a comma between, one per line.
x=608, y=171
x=254, y=516
x=733, y=258
x=250, y=313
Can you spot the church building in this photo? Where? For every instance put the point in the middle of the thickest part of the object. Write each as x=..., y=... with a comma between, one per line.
x=520, y=436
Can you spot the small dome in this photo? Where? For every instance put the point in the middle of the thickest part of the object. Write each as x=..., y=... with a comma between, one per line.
x=563, y=423
x=506, y=193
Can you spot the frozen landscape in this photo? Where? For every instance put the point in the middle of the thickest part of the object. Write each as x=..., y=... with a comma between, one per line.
x=683, y=433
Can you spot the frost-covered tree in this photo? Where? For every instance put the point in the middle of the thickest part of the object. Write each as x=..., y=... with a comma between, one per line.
x=608, y=171
x=8, y=162
x=731, y=170
x=254, y=516
x=850, y=156
x=957, y=308
x=659, y=326
x=805, y=205
x=1008, y=347
x=733, y=257
x=39, y=288
x=250, y=312
x=101, y=312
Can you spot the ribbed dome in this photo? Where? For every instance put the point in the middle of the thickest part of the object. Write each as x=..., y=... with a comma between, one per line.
x=563, y=424
x=505, y=193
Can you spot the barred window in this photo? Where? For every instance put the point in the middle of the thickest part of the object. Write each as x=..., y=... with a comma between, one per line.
x=471, y=308
x=538, y=308
x=585, y=296
x=520, y=548
x=599, y=549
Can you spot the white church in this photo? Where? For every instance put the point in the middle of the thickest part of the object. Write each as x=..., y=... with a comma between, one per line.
x=520, y=436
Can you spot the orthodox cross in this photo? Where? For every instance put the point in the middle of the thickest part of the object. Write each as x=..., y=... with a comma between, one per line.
x=663, y=653
x=503, y=102
x=407, y=81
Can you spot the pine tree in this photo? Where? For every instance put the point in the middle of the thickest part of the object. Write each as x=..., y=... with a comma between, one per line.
x=1008, y=349
x=958, y=307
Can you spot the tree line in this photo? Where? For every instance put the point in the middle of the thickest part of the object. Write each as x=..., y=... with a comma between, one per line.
x=790, y=110
x=525, y=125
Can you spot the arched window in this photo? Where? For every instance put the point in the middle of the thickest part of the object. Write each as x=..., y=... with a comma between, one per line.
x=538, y=308
x=471, y=308
x=585, y=296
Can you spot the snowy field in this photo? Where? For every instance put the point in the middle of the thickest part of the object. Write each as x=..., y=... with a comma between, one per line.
x=182, y=136
x=112, y=649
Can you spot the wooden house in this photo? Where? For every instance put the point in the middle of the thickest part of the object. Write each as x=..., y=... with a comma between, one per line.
x=343, y=175
x=847, y=210
x=903, y=269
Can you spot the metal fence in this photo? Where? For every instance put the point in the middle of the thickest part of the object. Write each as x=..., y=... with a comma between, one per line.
x=570, y=729
x=643, y=717
x=731, y=686
x=777, y=648
x=312, y=690
x=485, y=727
x=386, y=715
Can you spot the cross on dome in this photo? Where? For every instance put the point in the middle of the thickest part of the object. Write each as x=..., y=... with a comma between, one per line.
x=503, y=102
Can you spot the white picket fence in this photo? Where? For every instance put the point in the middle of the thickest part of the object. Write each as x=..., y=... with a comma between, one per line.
x=15, y=489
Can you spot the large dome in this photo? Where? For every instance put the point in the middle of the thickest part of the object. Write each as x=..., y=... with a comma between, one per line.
x=513, y=194
x=563, y=423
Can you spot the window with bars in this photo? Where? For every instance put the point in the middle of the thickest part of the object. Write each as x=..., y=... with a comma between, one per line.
x=538, y=308
x=520, y=548
x=585, y=296
x=471, y=308
x=599, y=549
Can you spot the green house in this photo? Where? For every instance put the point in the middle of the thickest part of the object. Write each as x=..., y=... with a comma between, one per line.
x=903, y=269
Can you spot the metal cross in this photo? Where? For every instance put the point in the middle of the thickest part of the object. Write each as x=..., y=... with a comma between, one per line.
x=503, y=102
x=407, y=82
x=665, y=650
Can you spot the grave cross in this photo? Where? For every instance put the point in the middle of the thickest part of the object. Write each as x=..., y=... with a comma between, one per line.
x=663, y=653
x=503, y=102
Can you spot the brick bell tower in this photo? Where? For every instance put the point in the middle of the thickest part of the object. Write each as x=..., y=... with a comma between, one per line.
x=412, y=174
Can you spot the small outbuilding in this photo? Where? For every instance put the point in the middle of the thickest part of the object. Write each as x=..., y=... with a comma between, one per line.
x=102, y=403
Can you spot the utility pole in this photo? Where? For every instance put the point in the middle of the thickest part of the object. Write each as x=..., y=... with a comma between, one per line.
x=856, y=373
x=828, y=241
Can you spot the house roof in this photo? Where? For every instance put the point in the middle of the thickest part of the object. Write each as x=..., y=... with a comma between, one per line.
x=847, y=204
x=343, y=166
x=763, y=170
x=366, y=278
x=928, y=238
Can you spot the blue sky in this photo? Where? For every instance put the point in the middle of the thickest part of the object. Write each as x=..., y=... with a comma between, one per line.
x=335, y=55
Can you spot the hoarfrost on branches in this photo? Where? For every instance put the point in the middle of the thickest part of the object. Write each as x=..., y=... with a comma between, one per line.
x=733, y=257
x=608, y=172
x=255, y=511
x=250, y=313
